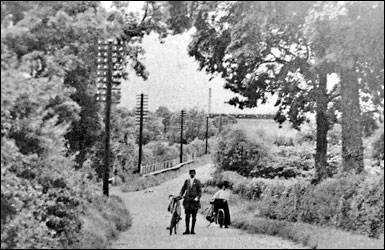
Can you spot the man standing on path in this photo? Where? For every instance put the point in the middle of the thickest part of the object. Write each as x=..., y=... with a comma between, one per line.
x=192, y=192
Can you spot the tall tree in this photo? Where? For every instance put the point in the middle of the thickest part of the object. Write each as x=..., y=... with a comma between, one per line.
x=260, y=50
x=58, y=39
x=352, y=35
x=165, y=114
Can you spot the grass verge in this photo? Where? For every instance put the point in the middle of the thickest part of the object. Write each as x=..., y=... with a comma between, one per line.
x=136, y=183
x=104, y=219
x=244, y=215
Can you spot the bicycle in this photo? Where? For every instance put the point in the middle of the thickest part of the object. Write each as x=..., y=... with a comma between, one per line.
x=173, y=209
x=220, y=216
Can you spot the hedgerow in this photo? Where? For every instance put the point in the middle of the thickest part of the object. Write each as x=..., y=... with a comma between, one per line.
x=350, y=202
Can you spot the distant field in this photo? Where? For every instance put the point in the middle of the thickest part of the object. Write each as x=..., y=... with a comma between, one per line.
x=268, y=128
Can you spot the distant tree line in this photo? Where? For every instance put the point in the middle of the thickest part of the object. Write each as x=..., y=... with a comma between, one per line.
x=244, y=116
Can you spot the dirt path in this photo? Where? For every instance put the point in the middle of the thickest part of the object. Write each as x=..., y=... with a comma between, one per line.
x=150, y=219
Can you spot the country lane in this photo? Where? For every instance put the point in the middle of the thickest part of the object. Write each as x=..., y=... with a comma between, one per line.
x=148, y=209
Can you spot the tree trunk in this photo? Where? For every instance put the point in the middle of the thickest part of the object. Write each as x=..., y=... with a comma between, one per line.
x=352, y=146
x=322, y=130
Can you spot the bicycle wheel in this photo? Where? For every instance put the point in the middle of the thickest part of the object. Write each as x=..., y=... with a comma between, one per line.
x=221, y=217
x=174, y=220
x=172, y=223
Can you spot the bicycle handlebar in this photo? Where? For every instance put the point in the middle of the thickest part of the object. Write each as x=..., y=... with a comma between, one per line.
x=177, y=197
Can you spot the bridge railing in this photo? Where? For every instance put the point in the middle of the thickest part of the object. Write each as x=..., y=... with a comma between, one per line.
x=149, y=168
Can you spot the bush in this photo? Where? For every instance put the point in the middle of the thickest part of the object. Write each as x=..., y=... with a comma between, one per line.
x=234, y=152
x=307, y=135
x=289, y=162
x=42, y=195
x=196, y=147
x=157, y=151
x=254, y=159
x=283, y=140
x=349, y=202
x=367, y=208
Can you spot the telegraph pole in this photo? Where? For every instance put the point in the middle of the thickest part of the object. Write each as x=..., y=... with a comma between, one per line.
x=181, y=137
x=207, y=133
x=220, y=124
x=140, y=133
x=209, y=101
x=107, y=125
x=107, y=63
x=141, y=112
x=207, y=123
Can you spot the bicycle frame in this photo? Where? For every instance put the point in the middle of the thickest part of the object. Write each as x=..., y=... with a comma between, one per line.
x=174, y=215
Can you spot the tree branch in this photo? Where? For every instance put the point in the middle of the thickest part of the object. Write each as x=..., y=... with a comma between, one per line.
x=288, y=51
x=334, y=93
x=145, y=14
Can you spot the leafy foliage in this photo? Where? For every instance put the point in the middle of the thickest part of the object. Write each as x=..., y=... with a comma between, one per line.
x=40, y=189
x=234, y=152
x=42, y=195
x=350, y=202
x=333, y=30
x=288, y=49
x=378, y=146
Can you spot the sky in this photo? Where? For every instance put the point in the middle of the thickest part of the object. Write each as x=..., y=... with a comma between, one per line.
x=174, y=79
x=175, y=82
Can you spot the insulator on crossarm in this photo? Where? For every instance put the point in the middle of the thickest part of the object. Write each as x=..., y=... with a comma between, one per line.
x=102, y=66
x=102, y=54
x=102, y=60
x=101, y=48
x=101, y=91
x=101, y=85
x=102, y=79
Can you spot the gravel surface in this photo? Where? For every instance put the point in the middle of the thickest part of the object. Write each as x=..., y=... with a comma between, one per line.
x=150, y=218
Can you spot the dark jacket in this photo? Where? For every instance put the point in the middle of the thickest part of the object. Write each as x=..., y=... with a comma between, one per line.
x=190, y=193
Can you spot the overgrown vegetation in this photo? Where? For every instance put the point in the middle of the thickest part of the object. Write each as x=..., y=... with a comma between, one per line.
x=43, y=197
x=245, y=211
x=51, y=124
x=313, y=236
x=258, y=158
x=279, y=184
x=103, y=219
x=258, y=53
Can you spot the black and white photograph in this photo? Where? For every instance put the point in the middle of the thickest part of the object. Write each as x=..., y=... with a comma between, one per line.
x=192, y=124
